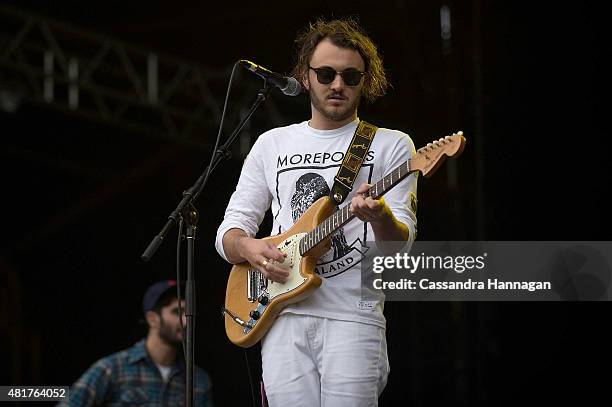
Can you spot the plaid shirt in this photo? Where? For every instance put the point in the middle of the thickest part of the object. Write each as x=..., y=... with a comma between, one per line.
x=130, y=377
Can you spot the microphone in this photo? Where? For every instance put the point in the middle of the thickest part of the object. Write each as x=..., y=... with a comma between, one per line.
x=288, y=85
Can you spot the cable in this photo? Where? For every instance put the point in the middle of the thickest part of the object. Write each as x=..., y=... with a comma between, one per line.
x=178, y=285
x=246, y=358
x=229, y=86
x=180, y=227
x=214, y=150
x=178, y=247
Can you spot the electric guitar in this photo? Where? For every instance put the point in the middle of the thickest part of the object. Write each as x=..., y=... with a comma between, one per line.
x=252, y=302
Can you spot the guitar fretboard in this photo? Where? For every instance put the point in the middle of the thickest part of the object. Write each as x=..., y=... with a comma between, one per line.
x=344, y=215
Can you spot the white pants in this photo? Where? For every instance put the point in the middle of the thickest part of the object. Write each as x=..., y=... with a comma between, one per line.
x=310, y=361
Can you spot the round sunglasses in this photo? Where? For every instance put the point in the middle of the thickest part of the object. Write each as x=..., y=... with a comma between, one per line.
x=326, y=75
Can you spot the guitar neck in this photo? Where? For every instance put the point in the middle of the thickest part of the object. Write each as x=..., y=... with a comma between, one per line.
x=344, y=215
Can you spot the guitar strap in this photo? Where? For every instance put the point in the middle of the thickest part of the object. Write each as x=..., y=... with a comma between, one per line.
x=353, y=159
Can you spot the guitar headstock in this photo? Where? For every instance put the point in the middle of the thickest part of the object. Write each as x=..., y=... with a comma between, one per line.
x=427, y=159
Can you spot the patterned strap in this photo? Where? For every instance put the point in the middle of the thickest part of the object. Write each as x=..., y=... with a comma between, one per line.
x=353, y=159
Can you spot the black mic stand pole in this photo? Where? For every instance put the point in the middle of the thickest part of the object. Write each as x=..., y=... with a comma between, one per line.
x=189, y=214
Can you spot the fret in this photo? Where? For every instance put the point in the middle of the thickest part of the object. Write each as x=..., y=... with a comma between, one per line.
x=342, y=215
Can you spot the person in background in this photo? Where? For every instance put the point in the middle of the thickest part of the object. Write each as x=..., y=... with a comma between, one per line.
x=152, y=371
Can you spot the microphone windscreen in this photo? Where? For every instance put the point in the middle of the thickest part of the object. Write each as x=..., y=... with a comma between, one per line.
x=292, y=88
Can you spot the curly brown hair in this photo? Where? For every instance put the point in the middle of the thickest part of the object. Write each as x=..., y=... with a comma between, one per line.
x=344, y=33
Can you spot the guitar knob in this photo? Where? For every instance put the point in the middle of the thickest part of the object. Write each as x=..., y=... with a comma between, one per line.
x=254, y=314
x=263, y=300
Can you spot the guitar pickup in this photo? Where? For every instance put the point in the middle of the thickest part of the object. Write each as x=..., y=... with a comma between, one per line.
x=256, y=284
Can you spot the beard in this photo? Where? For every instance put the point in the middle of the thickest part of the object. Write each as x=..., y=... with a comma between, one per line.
x=169, y=336
x=336, y=114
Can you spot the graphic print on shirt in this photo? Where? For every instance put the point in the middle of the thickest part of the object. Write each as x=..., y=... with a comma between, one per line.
x=308, y=187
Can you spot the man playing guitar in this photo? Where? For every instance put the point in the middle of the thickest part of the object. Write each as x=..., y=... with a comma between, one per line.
x=329, y=349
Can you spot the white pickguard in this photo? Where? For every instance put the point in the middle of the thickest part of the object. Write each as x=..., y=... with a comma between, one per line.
x=291, y=263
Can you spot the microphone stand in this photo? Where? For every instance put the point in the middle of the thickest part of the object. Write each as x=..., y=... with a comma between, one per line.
x=189, y=214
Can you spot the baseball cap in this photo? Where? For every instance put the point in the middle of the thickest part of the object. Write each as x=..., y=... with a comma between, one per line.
x=154, y=293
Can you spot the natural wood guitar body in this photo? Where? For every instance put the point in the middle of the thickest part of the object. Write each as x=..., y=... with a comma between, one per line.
x=301, y=283
x=252, y=302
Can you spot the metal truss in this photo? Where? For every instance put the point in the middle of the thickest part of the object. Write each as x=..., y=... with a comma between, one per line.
x=103, y=79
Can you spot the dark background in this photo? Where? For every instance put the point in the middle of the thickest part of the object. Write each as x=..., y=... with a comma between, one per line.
x=526, y=81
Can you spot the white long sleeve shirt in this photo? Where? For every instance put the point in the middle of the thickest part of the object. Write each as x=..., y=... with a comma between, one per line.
x=288, y=169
